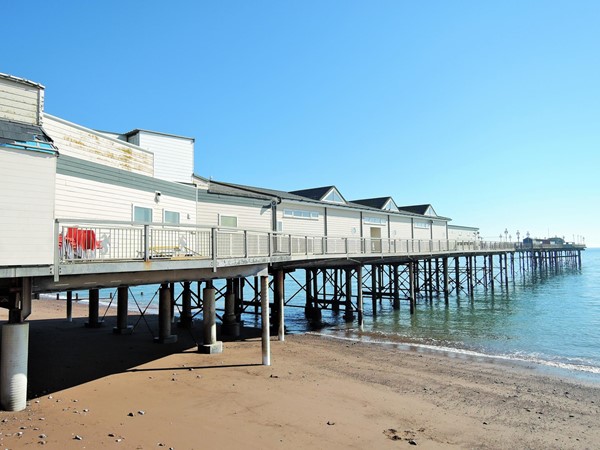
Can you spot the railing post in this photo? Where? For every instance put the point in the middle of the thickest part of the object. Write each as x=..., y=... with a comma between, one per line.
x=270, y=244
x=214, y=242
x=290, y=240
x=323, y=246
x=346, y=245
x=57, y=250
x=245, y=243
x=146, y=242
x=306, y=245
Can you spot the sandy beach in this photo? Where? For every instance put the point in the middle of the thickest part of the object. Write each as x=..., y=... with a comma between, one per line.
x=89, y=388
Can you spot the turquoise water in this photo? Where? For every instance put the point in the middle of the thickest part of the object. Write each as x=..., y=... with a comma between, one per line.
x=548, y=318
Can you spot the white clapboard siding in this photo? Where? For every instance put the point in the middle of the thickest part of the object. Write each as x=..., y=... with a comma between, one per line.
x=458, y=233
x=251, y=214
x=301, y=227
x=439, y=230
x=20, y=101
x=90, y=145
x=343, y=223
x=421, y=233
x=173, y=155
x=400, y=227
x=78, y=198
x=27, y=208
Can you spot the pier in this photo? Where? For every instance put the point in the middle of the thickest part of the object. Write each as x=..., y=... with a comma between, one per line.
x=87, y=210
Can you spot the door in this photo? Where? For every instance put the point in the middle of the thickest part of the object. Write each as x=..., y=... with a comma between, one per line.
x=375, y=240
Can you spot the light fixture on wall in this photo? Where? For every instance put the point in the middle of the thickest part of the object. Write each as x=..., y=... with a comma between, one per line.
x=157, y=195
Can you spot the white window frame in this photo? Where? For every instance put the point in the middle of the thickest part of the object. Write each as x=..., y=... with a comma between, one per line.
x=221, y=216
x=382, y=221
x=166, y=211
x=422, y=225
x=300, y=214
x=134, y=207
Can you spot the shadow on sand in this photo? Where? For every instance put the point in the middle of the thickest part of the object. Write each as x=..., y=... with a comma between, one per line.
x=65, y=354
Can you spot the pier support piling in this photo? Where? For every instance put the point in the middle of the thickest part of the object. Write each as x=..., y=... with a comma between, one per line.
x=164, y=316
x=185, y=319
x=94, y=309
x=231, y=326
x=69, y=306
x=122, y=309
x=13, y=366
x=264, y=309
x=209, y=322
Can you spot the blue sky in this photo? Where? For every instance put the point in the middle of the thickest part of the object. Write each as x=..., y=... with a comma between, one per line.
x=487, y=110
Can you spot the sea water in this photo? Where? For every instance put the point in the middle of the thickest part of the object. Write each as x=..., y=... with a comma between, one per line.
x=544, y=317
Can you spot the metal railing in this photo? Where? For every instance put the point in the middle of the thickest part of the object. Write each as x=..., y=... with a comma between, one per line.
x=89, y=241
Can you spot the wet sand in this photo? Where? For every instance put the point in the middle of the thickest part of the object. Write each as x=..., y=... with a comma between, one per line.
x=89, y=388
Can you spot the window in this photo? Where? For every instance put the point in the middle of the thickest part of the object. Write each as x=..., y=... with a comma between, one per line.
x=301, y=214
x=421, y=224
x=334, y=197
x=142, y=215
x=171, y=217
x=389, y=206
x=228, y=221
x=375, y=220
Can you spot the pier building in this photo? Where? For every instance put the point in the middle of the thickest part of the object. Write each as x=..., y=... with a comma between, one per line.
x=89, y=209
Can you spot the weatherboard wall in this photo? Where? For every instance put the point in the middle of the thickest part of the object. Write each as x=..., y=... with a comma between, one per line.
x=84, y=143
x=173, y=155
x=250, y=213
x=87, y=190
x=27, y=205
x=21, y=102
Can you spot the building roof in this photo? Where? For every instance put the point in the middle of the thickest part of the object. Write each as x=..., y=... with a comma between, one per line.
x=416, y=209
x=239, y=190
x=138, y=130
x=21, y=136
x=314, y=193
x=377, y=203
x=6, y=76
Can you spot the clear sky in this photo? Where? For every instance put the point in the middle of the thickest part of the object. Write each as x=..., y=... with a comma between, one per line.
x=488, y=110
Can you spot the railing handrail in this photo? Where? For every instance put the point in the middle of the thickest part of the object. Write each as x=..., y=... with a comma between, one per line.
x=132, y=241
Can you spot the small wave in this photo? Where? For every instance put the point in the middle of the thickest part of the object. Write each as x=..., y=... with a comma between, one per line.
x=582, y=366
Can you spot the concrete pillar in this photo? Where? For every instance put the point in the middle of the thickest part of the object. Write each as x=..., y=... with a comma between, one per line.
x=230, y=326
x=492, y=272
x=446, y=281
x=164, y=316
x=348, y=313
x=359, y=295
x=94, y=308
x=457, y=274
x=374, y=289
x=13, y=366
x=308, y=285
x=264, y=306
x=209, y=322
x=396, y=288
x=280, y=301
x=335, y=307
x=411, y=284
x=122, y=311
x=173, y=298
x=185, y=319
x=69, y=306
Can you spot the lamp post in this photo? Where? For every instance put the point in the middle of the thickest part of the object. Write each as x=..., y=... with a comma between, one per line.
x=518, y=234
x=506, y=234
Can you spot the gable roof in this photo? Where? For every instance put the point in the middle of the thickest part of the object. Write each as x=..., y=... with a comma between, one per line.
x=416, y=209
x=378, y=202
x=313, y=193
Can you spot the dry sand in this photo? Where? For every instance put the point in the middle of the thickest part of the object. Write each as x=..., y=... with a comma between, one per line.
x=126, y=392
